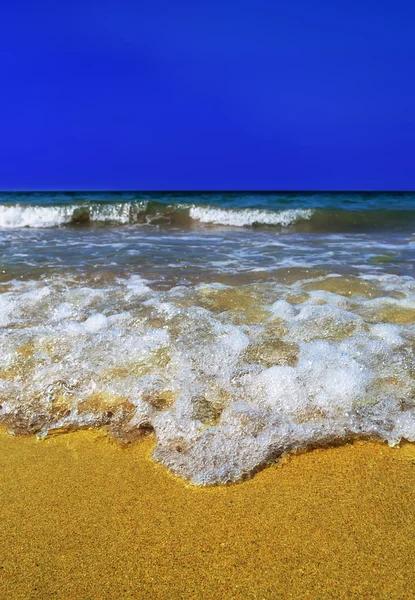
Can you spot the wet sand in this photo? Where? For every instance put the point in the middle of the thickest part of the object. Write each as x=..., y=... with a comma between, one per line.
x=83, y=518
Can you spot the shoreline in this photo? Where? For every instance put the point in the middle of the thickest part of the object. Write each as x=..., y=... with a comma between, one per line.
x=84, y=518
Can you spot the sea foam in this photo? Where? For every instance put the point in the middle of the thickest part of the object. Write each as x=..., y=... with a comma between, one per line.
x=227, y=378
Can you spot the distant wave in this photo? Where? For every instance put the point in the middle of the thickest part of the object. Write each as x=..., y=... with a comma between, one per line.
x=15, y=216
x=21, y=215
x=124, y=213
x=248, y=217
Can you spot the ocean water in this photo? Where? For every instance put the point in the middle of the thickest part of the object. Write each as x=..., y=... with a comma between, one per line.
x=235, y=327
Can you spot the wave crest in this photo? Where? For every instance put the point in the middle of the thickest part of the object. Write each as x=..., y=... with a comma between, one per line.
x=249, y=217
x=19, y=216
x=125, y=213
x=15, y=216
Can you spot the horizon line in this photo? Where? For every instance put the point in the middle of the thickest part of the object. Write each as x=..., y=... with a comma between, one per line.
x=209, y=191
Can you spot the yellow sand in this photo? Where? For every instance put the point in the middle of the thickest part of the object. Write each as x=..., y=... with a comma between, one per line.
x=83, y=518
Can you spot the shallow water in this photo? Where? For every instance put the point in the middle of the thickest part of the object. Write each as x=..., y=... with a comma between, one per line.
x=233, y=342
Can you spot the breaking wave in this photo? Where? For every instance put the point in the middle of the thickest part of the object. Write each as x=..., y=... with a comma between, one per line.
x=19, y=215
x=127, y=213
x=248, y=217
x=15, y=216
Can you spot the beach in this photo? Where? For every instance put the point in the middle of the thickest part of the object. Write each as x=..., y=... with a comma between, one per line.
x=84, y=518
x=207, y=395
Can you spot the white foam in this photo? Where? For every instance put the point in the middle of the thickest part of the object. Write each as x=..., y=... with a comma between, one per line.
x=95, y=323
x=283, y=309
x=19, y=215
x=228, y=405
x=389, y=333
x=136, y=286
x=245, y=217
x=12, y=217
x=6, y=308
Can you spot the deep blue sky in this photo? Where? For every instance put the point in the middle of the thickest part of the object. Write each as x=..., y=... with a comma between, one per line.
x=215, y=95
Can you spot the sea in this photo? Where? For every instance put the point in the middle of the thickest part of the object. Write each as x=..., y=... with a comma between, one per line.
x=233, y=327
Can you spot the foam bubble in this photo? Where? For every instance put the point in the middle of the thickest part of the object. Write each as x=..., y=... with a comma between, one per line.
x=95, y=323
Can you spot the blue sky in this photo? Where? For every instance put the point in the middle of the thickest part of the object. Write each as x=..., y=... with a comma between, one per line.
x=214, y=95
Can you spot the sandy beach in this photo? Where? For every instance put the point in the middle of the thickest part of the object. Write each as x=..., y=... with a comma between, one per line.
x=85, y=518
x=207, y=301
